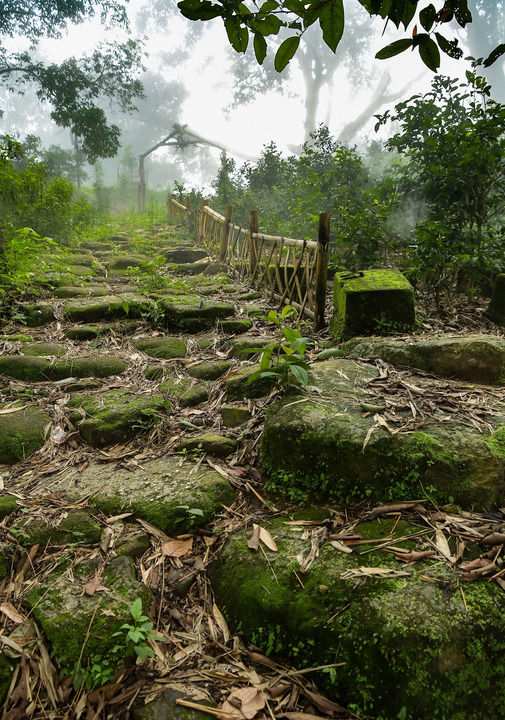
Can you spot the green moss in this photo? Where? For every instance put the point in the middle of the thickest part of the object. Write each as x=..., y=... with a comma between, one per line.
x=235, y=326
x=8, y=505
x=21, y=433
x=111, y=307
x=248, y=346
x=372, y=301
x=38, y=369
x=235, y=415
x=211, y=443
x=410, y=645
x=41, y=349
x=69, y=291
x=116, y=416
x=186, y=391
x=164, y=347
x=239, y=385
x=19, y=337
x=77, y=528
x=209, y=369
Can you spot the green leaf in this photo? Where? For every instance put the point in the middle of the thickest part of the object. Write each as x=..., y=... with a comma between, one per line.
x=136, y=609
x=285, y=52
x=260, y=48
x=300, y=374
x=429, y=52
x=237, y=35
x=268, y=6
x=449, y=47
x=295, y=6
x=196, y=10
x=395, y=48
x=493, y=56
x=427, y=17
x=332, y=20
x=268, y=25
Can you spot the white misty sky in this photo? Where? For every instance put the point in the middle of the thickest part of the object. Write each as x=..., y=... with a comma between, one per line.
x=277, y=116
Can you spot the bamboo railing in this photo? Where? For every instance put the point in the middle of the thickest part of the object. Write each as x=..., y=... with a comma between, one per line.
x=177, y=212
x=288, y=271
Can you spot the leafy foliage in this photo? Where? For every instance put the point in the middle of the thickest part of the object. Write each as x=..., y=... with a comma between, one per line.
x=268, y=19
x=138, y=632
x=287, y=362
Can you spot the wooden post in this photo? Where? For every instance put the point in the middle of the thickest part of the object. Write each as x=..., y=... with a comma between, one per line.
x=223, y=252
x=323, y=241
x=253, y=229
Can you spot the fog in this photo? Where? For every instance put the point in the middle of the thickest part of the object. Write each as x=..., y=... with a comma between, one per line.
x=192, y=77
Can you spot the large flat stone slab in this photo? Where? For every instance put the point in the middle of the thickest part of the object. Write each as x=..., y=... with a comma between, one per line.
x=372, y=302
x=476, y=358
x=417, y=644
x=39, y=369
x=165, y=347
x=173, y=494
x=331, y=444
x=110, y=307
x=118, y=415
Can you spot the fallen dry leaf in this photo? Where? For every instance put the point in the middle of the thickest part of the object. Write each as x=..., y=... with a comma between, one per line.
x=362, y=572
x=248, y=701
x=267, y=539
x=10, y=611
x=253, y=542
x=443, y=545
x=219, y=618
x=177, y=548
x=94, y=585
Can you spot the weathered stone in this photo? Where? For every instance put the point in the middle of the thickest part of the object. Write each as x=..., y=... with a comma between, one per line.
x=78, y=527
x=116, y=415
x=192, y=313
x=84, y=260
x=254, y=310
x=173, y=495
x=246, y=347
x=186, y=391
x=154, y=372
x=36, y=314
x=234, y=415
x=41, y=349
x=122, y=262
x=407, y=644
x=67, y=291
x=496, y=309
x=372, y=302
x=18, y=337
x=193, y=268
x=476, y=358
x=335, y=448
x=230, y=327
x=111, y=307
x=210, y=443
x=209, y=369
x=216, y=268
x=243, y=384
x=165, y=708
x=21, y=433
x=37, y=369
x=79, y=626
x=165, y=347
x=133, y=542
x=186, y=254
x=96, y=330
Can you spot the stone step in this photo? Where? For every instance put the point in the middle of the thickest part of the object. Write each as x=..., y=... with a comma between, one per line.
x=408, y=642
x=22, y=431
x=39, y=369
x=329, y=443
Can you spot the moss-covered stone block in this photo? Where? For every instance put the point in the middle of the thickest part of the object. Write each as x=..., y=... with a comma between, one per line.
x=186, y=391
x=8, y=505
x=184, y=254
x=164, y=347
x=246, y=347
x=409, y=645
x=336, y=449
x=116, y=416
x=235, y=415
x=111, y=307
x=496, y=309
x=122, y=262
x=21, y=433
x=76, y=528
x=39, y=369
x=372, y=302
x=235, y=326
x=44, y=349
x=69, y=291
x=475, y=358
x=92, y=331
x=210, y=443
x=176, y=496
x=36, y=314
x=16, y=338
x=191, y=313
x=209, y=369
x=245, y=383
x=80, y=628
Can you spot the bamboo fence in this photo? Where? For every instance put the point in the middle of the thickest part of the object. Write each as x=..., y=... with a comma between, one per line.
x=287, y=270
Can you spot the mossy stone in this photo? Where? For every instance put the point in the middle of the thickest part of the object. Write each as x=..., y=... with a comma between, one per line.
x=94, y=331
x=193, y=268
x=209, y=369
x=133, y=542
x=18, y=337
x=176, y=496
x=210, y=443
x=37, y=314
x=154, y=372
x=186, y=391
x=69, y=291
x=21, y=433
x=80, y=626
x=185, y=254
x=191, y=313
x=475, y=358
x=8, y=505
x=111, y=307
x=165, y=707
x=409, y=645
x=165, y=347
x=78, y=528
x=372, y=302
x=122, y=262
x=231, y=327
x=235, y=415
x=47, y=349
x=246, y=347
x=38, y=369
x=116, y=416
x=244, y=384
x=335, y=449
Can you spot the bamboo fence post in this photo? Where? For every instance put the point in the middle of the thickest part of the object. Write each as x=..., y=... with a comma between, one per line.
x=223, y=252
x=253, y=229
x=323, y=240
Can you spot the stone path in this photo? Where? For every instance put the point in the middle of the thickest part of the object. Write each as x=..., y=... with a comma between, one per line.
x=131, y=445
